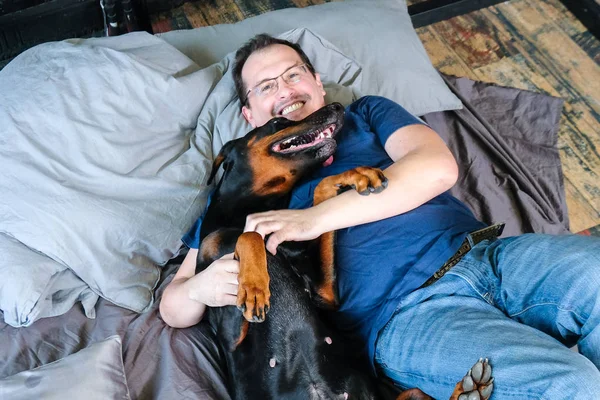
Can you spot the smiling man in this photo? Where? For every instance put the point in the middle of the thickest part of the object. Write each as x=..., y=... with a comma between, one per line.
x=294, y=92
x=425, y=288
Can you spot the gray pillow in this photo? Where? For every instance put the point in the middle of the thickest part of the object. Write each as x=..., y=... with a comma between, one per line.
x=34, y=286
x=99, y=175
x=378, y=35
x=94, y=373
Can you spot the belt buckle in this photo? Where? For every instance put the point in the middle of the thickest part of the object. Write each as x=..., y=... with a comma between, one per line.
x=477, y=236
x=491, y=231
x=499, y=228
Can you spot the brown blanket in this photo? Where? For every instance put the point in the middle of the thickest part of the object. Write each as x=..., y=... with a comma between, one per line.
x=505, y=143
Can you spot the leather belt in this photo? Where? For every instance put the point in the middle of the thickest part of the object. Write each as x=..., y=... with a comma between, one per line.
x=490, y=232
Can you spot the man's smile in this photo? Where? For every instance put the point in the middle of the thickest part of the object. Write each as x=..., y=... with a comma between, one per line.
x=292, y=108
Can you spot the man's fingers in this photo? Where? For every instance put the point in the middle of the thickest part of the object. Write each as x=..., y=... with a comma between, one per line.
x=228, y=256
x=253, y=220
x=229, y=300
x=275, y=240
x=232, y=266
x=266, y=228
x=230, y=288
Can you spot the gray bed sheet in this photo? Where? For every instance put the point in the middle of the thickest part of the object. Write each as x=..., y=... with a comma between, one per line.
x=505, y=143
x=160, y=362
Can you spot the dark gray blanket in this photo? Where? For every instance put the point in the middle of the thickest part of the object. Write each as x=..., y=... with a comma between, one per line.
x=505, y=143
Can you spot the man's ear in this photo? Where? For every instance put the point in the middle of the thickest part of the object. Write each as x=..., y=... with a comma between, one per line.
x=319, y=83
x=247, y=113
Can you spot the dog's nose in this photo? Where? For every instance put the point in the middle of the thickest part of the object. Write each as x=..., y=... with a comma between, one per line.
x=337, y=106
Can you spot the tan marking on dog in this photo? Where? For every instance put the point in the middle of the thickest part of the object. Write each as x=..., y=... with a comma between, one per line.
x=327, y=290
x=243, y=333
x=209, y=249
x=253, y=279
x=267, y=168
x=329, y=187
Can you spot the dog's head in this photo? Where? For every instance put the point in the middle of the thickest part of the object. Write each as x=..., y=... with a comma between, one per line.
x=270, y=159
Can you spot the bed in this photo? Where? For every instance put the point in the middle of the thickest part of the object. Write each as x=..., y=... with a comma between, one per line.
x=106, y=148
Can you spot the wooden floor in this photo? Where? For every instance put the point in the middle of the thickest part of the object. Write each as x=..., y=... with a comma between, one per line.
x=529, y=44
x=536, y=45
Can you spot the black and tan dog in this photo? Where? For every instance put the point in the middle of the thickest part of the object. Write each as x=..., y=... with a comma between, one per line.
x=292, y=354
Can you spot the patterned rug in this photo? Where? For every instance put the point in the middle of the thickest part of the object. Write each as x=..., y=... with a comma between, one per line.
x=540, y=46
x=529, y=44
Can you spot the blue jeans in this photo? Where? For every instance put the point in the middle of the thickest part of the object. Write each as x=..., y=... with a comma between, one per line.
x=521, y=302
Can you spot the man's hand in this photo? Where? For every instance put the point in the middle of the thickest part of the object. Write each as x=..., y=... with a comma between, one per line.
x=217, y=285
x=285, y=225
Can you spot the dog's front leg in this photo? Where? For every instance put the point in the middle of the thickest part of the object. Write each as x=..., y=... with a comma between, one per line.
x=364, y=180
x=253, y=297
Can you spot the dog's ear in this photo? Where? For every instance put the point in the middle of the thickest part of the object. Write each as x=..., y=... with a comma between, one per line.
x=221, y=158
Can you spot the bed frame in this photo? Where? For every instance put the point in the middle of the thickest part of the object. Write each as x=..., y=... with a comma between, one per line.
x=25, y=23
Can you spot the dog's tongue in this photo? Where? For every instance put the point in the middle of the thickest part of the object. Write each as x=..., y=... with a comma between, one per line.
x=328, y=162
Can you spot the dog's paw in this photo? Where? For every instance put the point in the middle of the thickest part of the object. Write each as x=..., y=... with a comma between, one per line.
x=365, y=180
x=478, y=384
x=253, y=301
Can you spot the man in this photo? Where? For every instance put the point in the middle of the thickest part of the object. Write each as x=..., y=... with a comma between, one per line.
x=519, y=301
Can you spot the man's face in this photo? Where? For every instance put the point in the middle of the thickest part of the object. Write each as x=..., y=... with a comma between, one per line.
x=293, y=101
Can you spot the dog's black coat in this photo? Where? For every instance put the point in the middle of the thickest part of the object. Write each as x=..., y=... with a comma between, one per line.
x=293, y=354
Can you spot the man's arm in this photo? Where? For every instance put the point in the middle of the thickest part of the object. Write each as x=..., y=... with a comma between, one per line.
x=423, y=168
x=185, y=299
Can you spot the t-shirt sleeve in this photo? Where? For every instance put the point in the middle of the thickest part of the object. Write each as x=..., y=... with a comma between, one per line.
x=384, y=116
x=192, y=238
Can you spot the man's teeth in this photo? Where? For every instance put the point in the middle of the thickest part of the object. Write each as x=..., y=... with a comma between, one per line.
x=291, y=108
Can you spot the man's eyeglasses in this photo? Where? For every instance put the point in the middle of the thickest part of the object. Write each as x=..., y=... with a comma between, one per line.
x=268, y=87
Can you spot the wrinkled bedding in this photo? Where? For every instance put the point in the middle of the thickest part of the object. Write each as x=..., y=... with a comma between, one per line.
x=505, y=143
x=160, y=362
x=509, y=167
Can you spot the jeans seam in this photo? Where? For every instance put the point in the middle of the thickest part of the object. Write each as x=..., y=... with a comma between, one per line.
x=413, y=375
x=548, y=304
x=487, y=297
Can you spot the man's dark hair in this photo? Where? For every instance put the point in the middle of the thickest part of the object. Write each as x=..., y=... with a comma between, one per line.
x=257, y=43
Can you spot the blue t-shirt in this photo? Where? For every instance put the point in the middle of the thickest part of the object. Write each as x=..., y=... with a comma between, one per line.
x=379, y=263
